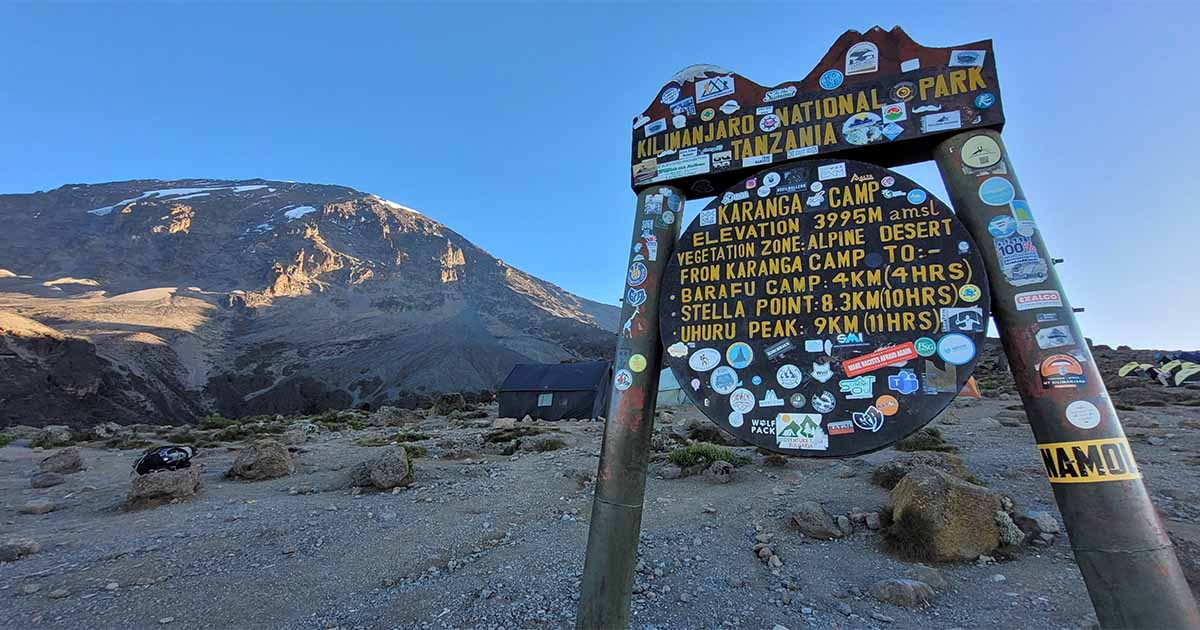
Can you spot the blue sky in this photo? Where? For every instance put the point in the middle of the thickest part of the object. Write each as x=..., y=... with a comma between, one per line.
x=511, y=123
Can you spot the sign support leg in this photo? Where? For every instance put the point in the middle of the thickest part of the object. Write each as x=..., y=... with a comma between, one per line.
x=621, y=478
x=1121, y=546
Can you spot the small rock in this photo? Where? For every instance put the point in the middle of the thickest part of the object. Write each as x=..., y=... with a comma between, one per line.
x=812, y=520
x=873, y=521
x=166, y=620
x=878, y=616
x=1155, y=441
x=998, y=577
x=390, y=469
x=52, y=436
x=46, y=480
x=67, y=461
x=844, y=524
x=720, y=472
x=17, y=548
x=670, y=471
x=842, y=471
x=774, y=562
x=59, y=593
x=29, y=589
x=37, y=506
x=844, y=608
x=112, y=586
x=1046, y=522
x=928, y=575
x=1010, y=534
x=504, y=423
x=902, y=592
x=163, y=485
x=779, y=627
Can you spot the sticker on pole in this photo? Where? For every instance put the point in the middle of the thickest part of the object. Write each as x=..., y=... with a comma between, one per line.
x=830, y=315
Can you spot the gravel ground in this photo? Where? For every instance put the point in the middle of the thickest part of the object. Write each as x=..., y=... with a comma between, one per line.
x=497, y=541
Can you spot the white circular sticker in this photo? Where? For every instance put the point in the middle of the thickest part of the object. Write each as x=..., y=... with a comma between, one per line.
x=742, y=401
x=763, y=191
x=956, y=349
x=816, y=186
x=723, y=380
x=623, y=379
x=735, y=419
x=1083, y=414
x=789, y=376
x=771, y=180
x=704, y=359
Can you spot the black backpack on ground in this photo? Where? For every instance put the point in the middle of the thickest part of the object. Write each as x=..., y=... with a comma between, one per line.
x=164, y=458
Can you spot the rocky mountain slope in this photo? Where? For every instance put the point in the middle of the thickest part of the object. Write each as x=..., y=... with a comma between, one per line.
x=169, y=299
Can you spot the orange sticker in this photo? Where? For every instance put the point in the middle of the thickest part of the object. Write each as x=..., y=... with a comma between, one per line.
x=887, y=405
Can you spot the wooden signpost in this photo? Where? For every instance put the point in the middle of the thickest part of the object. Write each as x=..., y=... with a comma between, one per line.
x=824, y=306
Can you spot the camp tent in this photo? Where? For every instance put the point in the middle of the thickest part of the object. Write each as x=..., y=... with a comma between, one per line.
x=549, y=391
x=670, y=394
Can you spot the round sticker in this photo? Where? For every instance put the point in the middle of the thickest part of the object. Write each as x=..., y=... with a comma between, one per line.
x=756, y=379
x=863, y=128
x=956, y=349
x=741, y=401
x=996, y=191
x=739, y=355
x=969, y=293
x=1083, y=414
x=888, y=182
x=1002, y=226
x=769, y=123
x=771, y=180
x=985, y=100
x=797, y=400
x=887, y=405
x=668, y=217
x=904, y=91
x=623, y=379
x=925, y=346
x=917, y=196
x=824, y=402
x=670, y=95
x=764, y=191
x=831, y=79
x=724, y=380
x=637, y=274
x=789, y=376
x=704, y=360
x=707, y=114
x=980, y=152
x=816, y=187
x=637, y=363
x=735, y=419
x=679, y=121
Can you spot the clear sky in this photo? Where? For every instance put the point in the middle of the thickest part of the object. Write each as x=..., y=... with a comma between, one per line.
x=511, y=123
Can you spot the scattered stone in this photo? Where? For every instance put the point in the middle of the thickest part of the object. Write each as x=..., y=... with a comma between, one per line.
x=843, y=471
x=878, y=616
x=930, y=576
x=1010, y=534
x=47, y=480
x=812, y=520
x=719, y=472
x=844, y=608
x=775, y=460
x=701, y=430
x=943, y=516
x=59, y=593
x=37, y=506
x=107, y=431
x=1155, y=441
x=844, y=524
x=163, y=485
x=390, y=469
x=902, y=592
x=874, y=522
x=112, y=586
x=67, y=461
x=670, y=471
x=449, y=403
x=888, y=474
x=292, y=437
x=14, y=549
x=52, y=436
x=1046, y=523
x=29, y=589
x=998, y=577
x=387, y=416
x=166, y=620
x=264, y=459
x=504, y=423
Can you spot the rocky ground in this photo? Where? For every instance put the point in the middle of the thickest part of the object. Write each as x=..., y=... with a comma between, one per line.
x=485, y=536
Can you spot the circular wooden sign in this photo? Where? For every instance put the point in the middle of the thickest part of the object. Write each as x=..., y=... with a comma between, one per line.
x=827, y=308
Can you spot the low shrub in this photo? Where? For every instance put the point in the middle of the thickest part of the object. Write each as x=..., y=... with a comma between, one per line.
x=5, y=440
x=703, y=453
x=927, y=439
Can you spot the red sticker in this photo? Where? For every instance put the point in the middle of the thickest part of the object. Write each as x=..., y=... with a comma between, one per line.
x=881, y=358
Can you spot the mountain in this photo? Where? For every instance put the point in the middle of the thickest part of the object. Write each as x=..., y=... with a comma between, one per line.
x=167, y=300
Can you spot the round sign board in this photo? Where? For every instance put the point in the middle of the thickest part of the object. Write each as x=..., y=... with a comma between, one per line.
x=830, y=315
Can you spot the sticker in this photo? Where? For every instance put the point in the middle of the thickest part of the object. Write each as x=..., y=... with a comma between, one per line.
x=1037, y=299
x=824, y=402
x=962, y=319
x=657, y=126
x=985, y=100
x=708, y=217
x=887, y=405
x=637, y=274
x=723, y=380
x=879, y=359
x=1062, y=371
x=841, y=427
x=722, y=159
x=862, y=128
x=969, y=292
x=967, y=58
x=679, y=121
x=822, y=372
x=996, y=191
x=940, y=122
x=696, y=388
x=789, y=376
x=927, y=108
x=741, y=401
x=1046, y=318
x=1083, y=414
x=830, y=171
x=735, y=419
x=904, y=91
x=755, y=161
x=862, y=58
x=637, y=363
x=771, y=399
x=905, y=382
x=678, y=350
x=895, y=112
x=763, y=111
x=956, y=349
x=1024, y=215
x=1020, y=260
x=669, y=95
x=910, y=65
x=1054, y=337
x=771, y=180
x=1002, y=226
x=869, y=420
x=729, y=107
x=1089, y=461
x=939, y=381
x=917, y=196
x=739, y=355
x=716, y=87
x=769, y=123
x=980, y=152
x=925, y=347
x=857, y=388
x=623, y=379
x=818, y=186
x=704, y=360
x=757, y=380
x=801, y=152
x=779, y=349
x=703, y=186
x=686, y=107
x=800, y=431
x=778, y=94
x=640, y=121
x=636, y=297
x=797, y=400
x=831, y=79
x=888, y=181
x=891, y=130
x=707, y=114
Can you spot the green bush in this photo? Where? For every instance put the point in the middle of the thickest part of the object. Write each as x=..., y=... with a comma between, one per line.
x=909, y=537
x=507, y=435
x=552, y=444
x=703, y=453
x=397, y=438
x=927, y=439
x=5, y=440
x=414, y=451
x=216, y=421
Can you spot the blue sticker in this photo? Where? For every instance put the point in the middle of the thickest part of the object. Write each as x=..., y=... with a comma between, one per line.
x=916, y=195
x=956, y=349
x=831, y=79
x=757, y=380
x=670, y=95
x=636, y=297
x=996, y=191
x=985, y=100
x=1002, y=226
x=739, y=355
x=637, y=274
x=905, y=382
x=891, y=130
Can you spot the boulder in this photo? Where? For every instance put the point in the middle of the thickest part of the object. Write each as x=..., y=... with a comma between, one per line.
x=449, y=403
x=292, y=437
x=387, y=416
x=700, y=430
x=889, y=473
x=53, y=435
x=1010, y=534
x=930, y=576
x=1046, y=523
x=68, y=460
x=106, y=431
x=37, y=506
x=390, y=469
x=46, y=480
x=14, y=549
x=163, y=485
x=504, y=423
x=264, y=459
x=719, y=471
x=944, y=517
x=812, y=520
x=902, y=592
